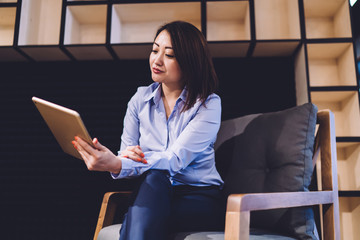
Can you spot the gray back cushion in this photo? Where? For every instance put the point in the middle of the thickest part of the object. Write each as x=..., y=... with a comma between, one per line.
x=270, y=152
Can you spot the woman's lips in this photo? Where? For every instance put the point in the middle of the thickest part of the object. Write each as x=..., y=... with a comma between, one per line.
x=157, y=71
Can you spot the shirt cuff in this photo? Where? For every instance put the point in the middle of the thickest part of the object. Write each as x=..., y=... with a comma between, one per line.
x=127, y=169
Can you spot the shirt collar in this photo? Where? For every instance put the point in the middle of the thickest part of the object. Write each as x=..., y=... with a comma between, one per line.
x=156, y=95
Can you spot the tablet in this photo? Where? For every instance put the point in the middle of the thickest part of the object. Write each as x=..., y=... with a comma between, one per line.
x=64, y=123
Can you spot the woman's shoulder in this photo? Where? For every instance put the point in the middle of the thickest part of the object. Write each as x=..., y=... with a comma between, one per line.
x=213, y=98
x=145, y=92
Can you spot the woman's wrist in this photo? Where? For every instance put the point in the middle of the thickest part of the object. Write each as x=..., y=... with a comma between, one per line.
x=117, y=165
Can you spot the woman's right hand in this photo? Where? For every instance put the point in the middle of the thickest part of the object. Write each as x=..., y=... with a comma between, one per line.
x=134, y=153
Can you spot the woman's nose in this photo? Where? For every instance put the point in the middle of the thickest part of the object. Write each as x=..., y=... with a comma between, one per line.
x=159, y=59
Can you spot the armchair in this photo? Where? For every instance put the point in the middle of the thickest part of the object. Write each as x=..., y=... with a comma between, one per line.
x=267, y=162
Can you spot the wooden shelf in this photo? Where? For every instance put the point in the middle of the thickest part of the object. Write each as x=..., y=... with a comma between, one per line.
x=345, y=106
x=349, y=217
x=327, y=19
x=9, y=54
x=7, y=25
x=275, y=48
x=331, y=64
x=229, y=49
x=137, y=23
x=8, y=1
x=40, y=22
x=348, y=155
x=228, y=21
x=277, y=19
x=85, y=32
x=39, y=32
x=85, y=24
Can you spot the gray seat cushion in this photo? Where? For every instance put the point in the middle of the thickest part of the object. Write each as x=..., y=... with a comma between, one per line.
x=112, y=233
x=255, y=234
x=271, y=152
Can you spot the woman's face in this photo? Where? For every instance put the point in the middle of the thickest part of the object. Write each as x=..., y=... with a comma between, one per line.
x=163, y=64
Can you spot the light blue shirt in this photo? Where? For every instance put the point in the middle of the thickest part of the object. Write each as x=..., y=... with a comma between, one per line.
x=183, y=144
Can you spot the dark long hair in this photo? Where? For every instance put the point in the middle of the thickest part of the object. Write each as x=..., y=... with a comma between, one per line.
x=192, y=53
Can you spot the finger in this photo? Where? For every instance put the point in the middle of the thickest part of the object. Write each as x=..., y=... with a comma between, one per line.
x=137, y=158
x=98, y=145
x=139, y=152
x=136, y=149
x=84, y=155
x=85, y=146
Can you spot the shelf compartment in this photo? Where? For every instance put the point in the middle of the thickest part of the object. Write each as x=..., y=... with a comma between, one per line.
x=348, y=155
x=345, y=106
x=349, y=217
x=331, y=64
x=228, y=21
x=85, y=24
x=85, y=32
x=40, y=22
x=39, y=32
x=137, y=23
x=327, y=19
x=277, y=19
x=7, y=25
x=275, y=48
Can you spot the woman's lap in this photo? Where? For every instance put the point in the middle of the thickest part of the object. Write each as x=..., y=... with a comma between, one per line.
x=159, y=208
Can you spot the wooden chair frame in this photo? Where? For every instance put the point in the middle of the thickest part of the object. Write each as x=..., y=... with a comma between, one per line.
x=239, y=206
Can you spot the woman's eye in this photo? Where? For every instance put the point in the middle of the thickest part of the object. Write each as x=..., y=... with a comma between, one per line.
x=170, y=55
x=154, y=51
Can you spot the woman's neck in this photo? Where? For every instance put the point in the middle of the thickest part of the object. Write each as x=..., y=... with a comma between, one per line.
x=171, y=93
x=169, y=96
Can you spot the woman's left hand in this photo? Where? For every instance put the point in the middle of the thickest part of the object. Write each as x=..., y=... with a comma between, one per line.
x=97, y=158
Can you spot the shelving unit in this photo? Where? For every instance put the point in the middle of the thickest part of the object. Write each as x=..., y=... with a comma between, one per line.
x=345, y=106
x=228, y=21
x=332, y=83
x=7, y=26
x=228, y=28
x=316, y=33
x=350, y=217
x=39, y=32
x=276, y=20
x=348, y=166
x=327, y=19
x=331, y=64
x=137, y=23
x=8, y=10
x=86, y=25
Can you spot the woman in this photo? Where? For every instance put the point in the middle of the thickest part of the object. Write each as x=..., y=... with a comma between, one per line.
x=169, y=131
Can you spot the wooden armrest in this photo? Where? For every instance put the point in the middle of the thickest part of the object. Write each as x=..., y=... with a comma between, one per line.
x=264, y=201
x=108, y=209
x=240, y=205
